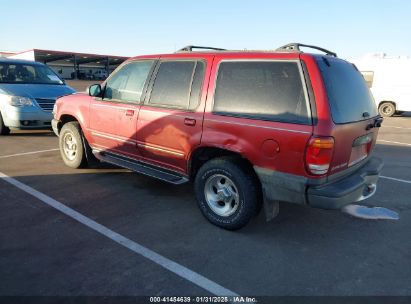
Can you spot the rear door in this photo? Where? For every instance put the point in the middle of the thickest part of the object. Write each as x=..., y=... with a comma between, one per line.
x=353, y=112
x=170, y=120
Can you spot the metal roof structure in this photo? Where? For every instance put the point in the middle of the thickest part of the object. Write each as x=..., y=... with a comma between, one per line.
x=74, y=59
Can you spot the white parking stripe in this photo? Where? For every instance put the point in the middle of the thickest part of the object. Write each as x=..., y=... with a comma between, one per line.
x=394, y=142
x=28, y=153
x=164, y=262
x=396, y=179
x=396, y=127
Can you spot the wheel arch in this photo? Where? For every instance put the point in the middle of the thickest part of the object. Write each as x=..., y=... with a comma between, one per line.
x=203, y=154
x=65, y=118
x=387, y=101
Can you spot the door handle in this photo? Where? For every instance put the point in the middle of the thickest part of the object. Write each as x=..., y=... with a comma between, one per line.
x=190, y=122
x=130, y=113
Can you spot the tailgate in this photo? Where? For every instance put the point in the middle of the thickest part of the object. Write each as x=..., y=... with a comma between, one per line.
x=353, y=110
x=354, y=143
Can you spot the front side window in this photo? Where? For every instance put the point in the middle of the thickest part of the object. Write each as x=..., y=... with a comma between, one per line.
x=178, y=84
x=20, y=73
x=269, y=90
x=127, y=84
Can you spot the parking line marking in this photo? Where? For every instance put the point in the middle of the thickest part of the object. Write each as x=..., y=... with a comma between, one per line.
x=394, y=142
x=28, y=153
x=397, y=127
x=396, y=179
x=164, y=262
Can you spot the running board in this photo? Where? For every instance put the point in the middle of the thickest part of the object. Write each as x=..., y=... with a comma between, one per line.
x=143, y=168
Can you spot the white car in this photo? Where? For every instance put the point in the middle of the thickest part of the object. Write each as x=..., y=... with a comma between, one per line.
x=100, y=74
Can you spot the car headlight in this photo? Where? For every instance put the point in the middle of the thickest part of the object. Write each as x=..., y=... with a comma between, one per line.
x=19, y=101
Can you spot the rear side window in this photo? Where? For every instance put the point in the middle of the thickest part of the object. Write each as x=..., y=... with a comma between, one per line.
x=261, y=90
x=349, y=97
x=178, y=85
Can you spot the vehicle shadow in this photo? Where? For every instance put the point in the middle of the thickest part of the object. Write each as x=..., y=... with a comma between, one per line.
x=31, y=133
x=121, y=186
x=306, y=248
x=404, y=114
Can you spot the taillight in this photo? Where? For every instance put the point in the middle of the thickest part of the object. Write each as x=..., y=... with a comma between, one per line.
x=319, y=154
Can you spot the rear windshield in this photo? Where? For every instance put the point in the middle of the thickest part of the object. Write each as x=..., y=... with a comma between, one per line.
x=27, y=73
x=348, y=94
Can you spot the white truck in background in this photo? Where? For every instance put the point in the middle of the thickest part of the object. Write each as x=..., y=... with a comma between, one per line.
x=389, y=79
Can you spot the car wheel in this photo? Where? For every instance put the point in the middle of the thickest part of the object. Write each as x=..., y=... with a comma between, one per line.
x=386, y=109
x=227, y=193
x=71, y=145
x=3, y=129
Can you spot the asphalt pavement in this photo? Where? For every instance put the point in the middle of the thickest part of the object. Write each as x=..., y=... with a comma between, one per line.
x=303, y=252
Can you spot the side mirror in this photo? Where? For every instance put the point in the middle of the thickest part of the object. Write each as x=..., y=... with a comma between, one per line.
x=94, y=90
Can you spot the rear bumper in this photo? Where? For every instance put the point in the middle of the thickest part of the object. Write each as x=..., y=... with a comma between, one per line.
x=360, y=185
x=357, y=186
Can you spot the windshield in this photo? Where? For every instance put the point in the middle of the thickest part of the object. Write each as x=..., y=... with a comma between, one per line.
x=348, y=94
x=27, y=73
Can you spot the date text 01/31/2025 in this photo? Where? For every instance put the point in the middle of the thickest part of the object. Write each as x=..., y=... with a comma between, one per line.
x=215, y=299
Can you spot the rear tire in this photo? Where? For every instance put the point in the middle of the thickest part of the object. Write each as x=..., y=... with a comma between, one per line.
x=386, y=109
x=72, y=146
x=227, y=192
x=3, y=129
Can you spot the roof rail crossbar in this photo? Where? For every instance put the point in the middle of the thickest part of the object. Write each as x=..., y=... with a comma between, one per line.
x=189, y=48
x=296, y=47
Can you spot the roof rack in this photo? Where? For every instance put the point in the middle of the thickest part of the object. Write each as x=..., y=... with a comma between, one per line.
x=296, y=47
x=189, y=48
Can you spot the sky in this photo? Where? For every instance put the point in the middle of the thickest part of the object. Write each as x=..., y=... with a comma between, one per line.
x=129, y=28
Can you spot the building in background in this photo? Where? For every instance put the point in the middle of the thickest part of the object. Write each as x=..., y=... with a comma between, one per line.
x=6, y=53
x=71, y=65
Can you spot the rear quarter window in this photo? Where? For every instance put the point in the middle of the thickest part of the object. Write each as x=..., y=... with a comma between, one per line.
x=265, y=90
x=349, y=96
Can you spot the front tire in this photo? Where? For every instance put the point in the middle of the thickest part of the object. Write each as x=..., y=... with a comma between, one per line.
x=72, y=146
x=3, y=129
x=386, y=109
x=227, y=193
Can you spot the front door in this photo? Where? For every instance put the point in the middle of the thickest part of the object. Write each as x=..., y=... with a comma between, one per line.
x=114, y=116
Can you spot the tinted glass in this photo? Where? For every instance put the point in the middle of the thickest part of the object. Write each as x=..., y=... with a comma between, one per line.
x=27, y=73
x=261, y=90
x=347, y=91
x=369, y=77
x=196, y=85
x=127, y=84
x=172, y=85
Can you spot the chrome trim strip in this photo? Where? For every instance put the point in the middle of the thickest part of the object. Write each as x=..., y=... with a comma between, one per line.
x=129, y=142
x=250, y=125
x=121, y=105
x=145, y=146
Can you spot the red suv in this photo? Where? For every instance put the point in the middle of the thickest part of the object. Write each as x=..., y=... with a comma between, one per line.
x=246, y=127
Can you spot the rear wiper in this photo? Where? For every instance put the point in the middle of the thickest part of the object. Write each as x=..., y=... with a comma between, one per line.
x=377, y=123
